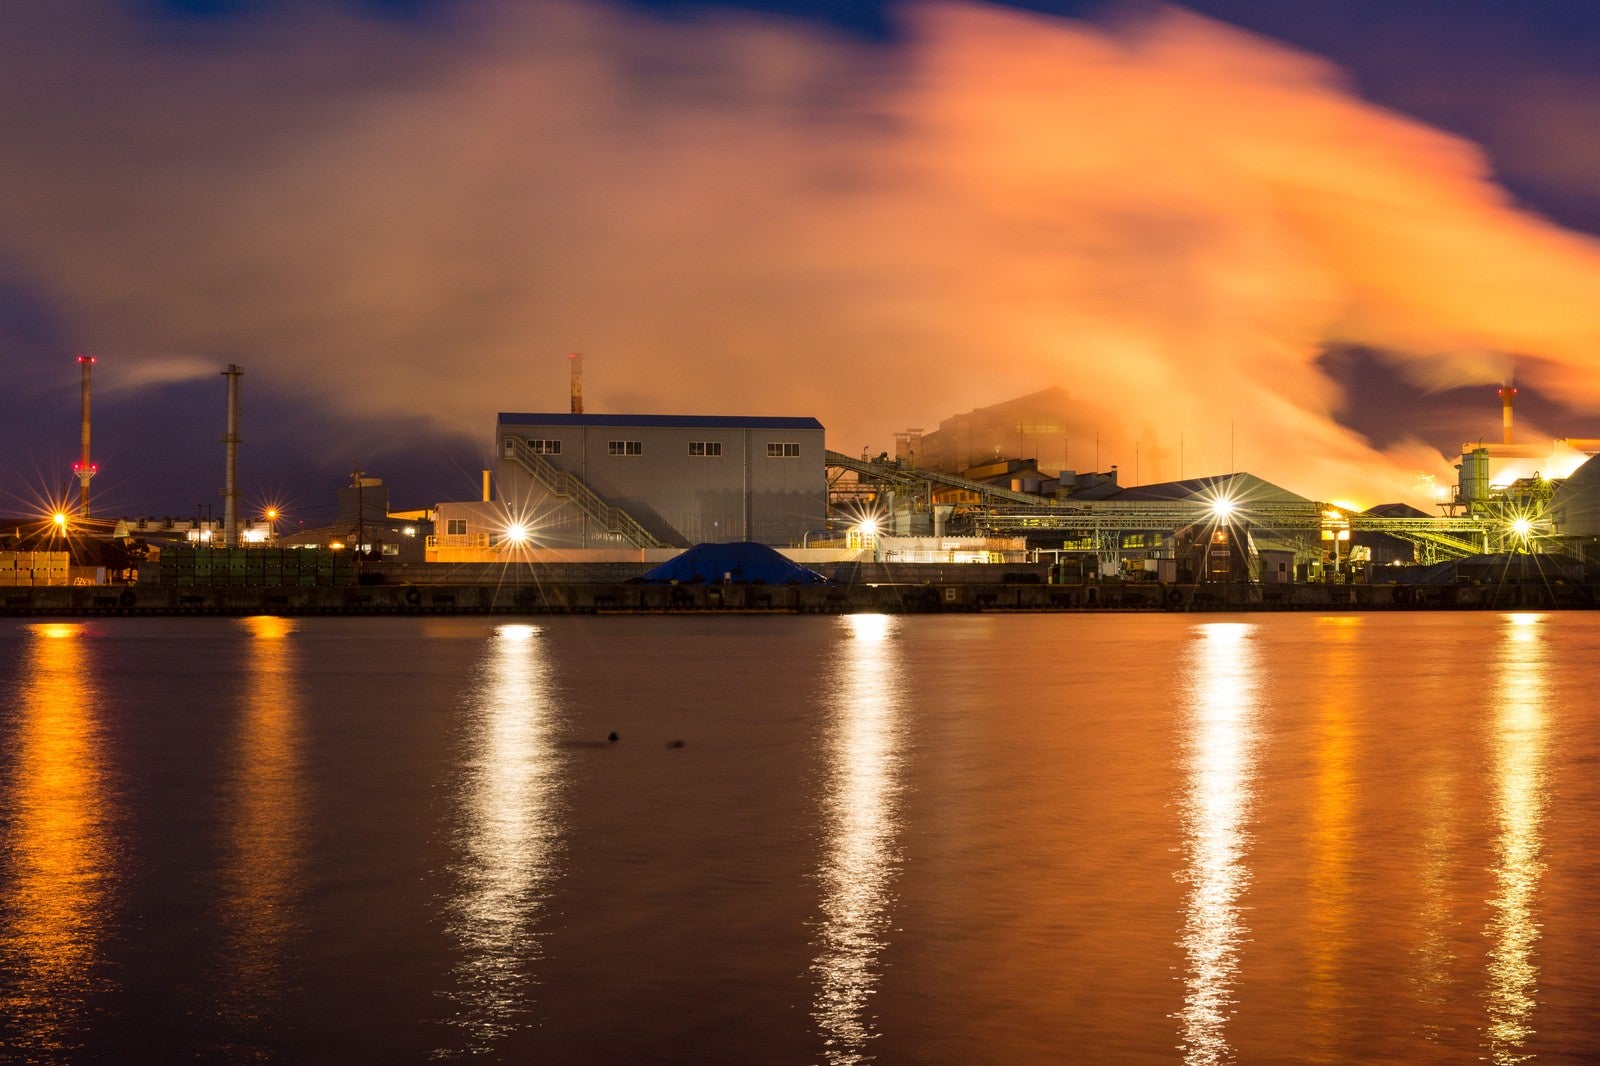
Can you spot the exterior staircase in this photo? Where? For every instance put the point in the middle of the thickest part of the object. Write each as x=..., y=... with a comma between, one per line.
x=567, y=486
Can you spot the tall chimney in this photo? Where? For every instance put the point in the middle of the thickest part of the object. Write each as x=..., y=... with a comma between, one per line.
x=576, y=358
x=1507, y=395
x=84, y=467
x=230, y=490
x=486, y=496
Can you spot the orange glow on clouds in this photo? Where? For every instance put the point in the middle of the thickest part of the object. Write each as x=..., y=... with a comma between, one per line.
x=1167, y=217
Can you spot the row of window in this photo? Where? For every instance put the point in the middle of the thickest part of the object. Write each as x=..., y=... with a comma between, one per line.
x=707, y=449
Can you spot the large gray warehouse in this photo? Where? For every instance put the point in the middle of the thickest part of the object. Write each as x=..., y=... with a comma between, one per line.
x=599, y=481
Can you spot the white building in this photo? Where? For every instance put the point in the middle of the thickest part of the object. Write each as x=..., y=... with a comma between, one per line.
x=644, y=481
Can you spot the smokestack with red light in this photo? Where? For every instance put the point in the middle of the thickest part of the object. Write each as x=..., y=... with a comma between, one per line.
x=576, y=358
x=84, y=467
x=1507, y=395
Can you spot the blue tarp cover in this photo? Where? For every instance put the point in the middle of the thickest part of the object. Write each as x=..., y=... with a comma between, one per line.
x=742, y=563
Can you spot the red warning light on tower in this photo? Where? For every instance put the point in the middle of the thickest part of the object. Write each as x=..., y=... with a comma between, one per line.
x=84, y=468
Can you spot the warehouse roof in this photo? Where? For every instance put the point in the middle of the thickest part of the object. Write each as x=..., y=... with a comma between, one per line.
x=659, y=421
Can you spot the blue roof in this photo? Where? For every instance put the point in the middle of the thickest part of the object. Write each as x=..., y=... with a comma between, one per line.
x=659, y=421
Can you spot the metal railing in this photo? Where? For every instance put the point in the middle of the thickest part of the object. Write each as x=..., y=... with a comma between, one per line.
x=567, y=486
x=458, y=540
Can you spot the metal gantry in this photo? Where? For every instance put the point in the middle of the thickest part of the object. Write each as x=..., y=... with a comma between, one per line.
x=1005, y=512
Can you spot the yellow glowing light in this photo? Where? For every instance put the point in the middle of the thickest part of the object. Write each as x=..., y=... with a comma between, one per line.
x=336, y=545
x=517, y=533
x=868, y=527
x=1521, y=526
x=1222, y=508
x=60, y=519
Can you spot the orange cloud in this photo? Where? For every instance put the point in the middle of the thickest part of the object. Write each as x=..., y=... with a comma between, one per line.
x=1165, y=216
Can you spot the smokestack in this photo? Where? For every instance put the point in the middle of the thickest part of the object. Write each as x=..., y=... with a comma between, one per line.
x=84, y=467
x=576, y=358
x=230, y=491
x=486, y=486
x=1507, y=394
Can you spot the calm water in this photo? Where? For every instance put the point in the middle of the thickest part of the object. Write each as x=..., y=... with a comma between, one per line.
x=1119, y=838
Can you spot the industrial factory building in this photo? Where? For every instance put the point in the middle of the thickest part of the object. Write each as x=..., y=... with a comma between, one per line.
x=645, y=481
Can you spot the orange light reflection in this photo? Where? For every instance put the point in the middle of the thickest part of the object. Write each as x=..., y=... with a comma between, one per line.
x=862, y=820
x=1221, y=742
x=1519, y=742
x=267, y=822
x=58, y=865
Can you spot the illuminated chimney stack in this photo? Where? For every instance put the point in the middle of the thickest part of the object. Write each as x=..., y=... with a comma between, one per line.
x=1507, y=396
x=576, y=358
x=84, y=467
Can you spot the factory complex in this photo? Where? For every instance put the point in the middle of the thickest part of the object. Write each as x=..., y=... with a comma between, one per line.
x=607, y=501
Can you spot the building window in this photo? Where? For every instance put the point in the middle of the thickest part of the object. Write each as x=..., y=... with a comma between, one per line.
x=455, y=527
x=783, y=449
x=625, y=447
x=538, y=447
x=710, y=449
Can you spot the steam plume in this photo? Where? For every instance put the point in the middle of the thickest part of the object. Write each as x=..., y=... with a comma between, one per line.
x=741, y=215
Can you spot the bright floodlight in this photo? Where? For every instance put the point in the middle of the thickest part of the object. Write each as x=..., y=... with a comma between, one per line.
x=517, y=533
x=60, y=519
x=1522, y=527
x=1221, y=508
x=868, y=527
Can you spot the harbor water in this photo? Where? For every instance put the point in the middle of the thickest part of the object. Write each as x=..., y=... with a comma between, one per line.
x=1107, y=838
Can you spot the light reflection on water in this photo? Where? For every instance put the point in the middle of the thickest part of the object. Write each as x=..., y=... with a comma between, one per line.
x=1436, y=955
x=264, y=867
x=58, y=867
x=1313, y=839
x=1220, y=733
x=1518, y=759
x=861, y=819
x=508, y=847
x=1332, y=829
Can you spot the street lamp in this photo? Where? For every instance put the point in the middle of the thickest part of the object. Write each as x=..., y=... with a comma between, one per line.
x=1335, y=527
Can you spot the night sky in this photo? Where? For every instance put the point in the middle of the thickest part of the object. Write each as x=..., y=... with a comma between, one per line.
x=1312, y=235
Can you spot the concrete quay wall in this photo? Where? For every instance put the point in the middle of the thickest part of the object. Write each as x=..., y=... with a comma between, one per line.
x=616, y=597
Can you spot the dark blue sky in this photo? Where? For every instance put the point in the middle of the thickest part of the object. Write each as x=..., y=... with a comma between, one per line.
x=189, y=187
